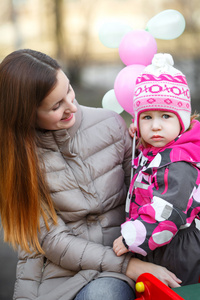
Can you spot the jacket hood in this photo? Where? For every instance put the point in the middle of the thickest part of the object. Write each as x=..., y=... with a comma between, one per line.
x=187, y=146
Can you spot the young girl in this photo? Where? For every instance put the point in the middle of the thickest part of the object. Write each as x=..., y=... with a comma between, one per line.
x=165, y=189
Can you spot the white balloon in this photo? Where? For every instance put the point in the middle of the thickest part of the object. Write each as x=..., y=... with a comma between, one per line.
x=111, y=33
x=110, y=102
x=167, y=25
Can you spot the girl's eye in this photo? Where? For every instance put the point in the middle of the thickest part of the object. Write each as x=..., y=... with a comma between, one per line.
x=147, y=117
x=165, y=116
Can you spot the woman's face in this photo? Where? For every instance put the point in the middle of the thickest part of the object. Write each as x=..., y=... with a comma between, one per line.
x=57, y=110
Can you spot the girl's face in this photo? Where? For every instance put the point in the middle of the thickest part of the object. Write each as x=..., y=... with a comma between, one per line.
x=158, y=128
x=57, y=110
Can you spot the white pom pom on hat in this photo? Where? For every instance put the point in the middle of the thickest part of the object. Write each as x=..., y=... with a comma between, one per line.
x=162, y=87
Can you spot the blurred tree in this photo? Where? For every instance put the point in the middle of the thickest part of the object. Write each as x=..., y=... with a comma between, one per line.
x=60, y=37
x=13, y=8
x=72, y=61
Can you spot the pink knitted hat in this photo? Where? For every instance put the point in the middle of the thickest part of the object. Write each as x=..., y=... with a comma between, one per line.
x=162, y=87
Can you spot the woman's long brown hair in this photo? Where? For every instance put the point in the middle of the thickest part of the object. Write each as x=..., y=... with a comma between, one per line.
x=26, y=78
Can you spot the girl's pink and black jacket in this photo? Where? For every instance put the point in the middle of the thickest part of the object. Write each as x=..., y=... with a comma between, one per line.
x=165, y=201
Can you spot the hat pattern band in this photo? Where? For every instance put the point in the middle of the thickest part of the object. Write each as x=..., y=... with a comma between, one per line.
x=163, y=92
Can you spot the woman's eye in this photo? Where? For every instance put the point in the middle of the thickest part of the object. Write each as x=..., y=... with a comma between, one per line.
x=70, y=89
x=56, y=107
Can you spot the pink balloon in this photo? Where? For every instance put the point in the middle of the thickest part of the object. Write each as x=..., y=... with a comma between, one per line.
x=137, y=47
x=124, y=86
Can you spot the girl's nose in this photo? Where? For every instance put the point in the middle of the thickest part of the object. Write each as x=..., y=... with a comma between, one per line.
x=156, y=124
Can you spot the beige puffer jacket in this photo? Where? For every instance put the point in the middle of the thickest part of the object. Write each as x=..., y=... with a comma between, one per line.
x=86, y=167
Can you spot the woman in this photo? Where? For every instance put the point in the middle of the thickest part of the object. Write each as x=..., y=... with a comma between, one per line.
x=64, y=175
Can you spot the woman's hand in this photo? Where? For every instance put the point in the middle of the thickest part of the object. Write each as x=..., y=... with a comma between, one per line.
x=119, y=247
x=132, y=130
x=136, y=267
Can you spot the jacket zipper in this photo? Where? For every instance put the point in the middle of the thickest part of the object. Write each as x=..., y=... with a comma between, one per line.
x=43, y=267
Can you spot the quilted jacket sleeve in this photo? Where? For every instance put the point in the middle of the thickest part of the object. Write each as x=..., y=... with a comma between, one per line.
x=74, y=253
x=174, y=204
